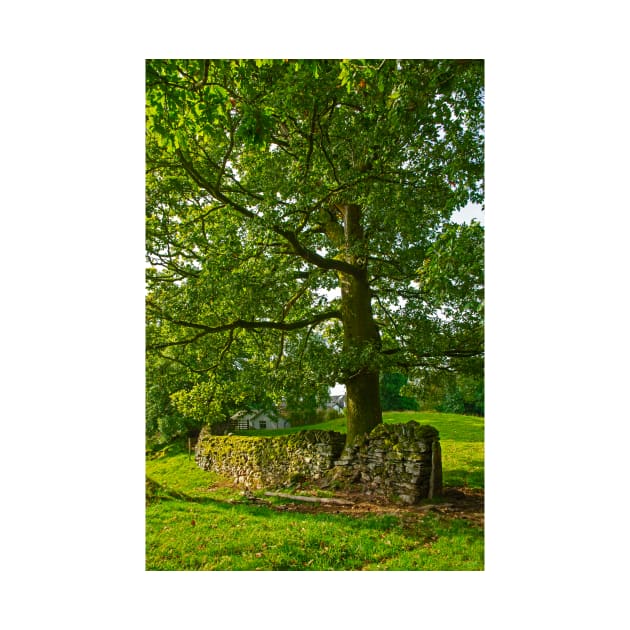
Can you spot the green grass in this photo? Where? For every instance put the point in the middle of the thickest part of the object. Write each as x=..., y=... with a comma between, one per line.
x=197, y=521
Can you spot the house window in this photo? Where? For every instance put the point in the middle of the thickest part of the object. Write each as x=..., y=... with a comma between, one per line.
x=262, y=424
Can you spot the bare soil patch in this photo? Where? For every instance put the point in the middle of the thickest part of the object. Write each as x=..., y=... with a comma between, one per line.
x=464, y=503
x=455, y=502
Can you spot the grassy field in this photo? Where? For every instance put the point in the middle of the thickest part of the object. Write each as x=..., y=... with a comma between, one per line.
x=198, y=521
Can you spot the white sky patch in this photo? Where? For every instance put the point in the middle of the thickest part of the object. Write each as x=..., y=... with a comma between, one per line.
x=468, y=213
x=331, y=294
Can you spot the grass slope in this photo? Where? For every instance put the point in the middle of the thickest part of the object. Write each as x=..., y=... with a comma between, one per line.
x=197, y=521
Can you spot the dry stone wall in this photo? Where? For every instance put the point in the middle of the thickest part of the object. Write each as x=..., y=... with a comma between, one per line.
x=269, y=461
x=395, y=461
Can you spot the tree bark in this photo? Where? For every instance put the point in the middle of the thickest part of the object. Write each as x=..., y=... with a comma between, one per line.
x=361, y=335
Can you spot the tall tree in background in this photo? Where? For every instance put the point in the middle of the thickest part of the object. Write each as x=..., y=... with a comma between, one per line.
x=271, y=183
x=391, y=397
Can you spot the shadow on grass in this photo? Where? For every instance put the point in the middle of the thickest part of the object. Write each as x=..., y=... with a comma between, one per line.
x=274, y=515
x=473, y=477
x=206, y=533
x=244, y=508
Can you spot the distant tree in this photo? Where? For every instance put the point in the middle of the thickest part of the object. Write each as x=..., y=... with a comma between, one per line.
x=465, y=394
x=391, y=398
x=303, y=405
x=450, y=391
x=270, y=183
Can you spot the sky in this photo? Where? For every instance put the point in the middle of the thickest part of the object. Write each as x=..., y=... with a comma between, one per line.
x=468, y=213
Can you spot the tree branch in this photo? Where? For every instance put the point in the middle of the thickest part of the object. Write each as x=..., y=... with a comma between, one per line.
x=237, y=324
x=310, y=141
x=183, y=342
x=288, y=235
x=316, y=259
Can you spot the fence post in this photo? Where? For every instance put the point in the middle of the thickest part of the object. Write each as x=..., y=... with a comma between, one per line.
x=435, y=480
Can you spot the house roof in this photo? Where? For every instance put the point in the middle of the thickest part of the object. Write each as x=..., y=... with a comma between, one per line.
x=253, y=414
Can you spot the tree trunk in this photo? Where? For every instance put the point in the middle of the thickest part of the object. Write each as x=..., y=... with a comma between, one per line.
x=363, y=407
x=361, y=336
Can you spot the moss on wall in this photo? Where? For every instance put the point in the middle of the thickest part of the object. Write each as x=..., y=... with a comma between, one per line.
x=270, y=461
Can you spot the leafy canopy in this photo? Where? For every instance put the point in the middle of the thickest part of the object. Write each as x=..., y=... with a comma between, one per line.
x=249, y=165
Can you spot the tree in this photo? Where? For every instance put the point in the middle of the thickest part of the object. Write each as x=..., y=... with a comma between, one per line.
x=163, y=419
x=271, y=183
x=391, y=397
x=450, y=392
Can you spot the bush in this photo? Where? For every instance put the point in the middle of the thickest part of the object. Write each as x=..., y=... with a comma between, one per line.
x=307, y=417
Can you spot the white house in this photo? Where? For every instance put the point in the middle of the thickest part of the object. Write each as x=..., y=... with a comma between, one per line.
x=258, y=419
x=337, y=402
